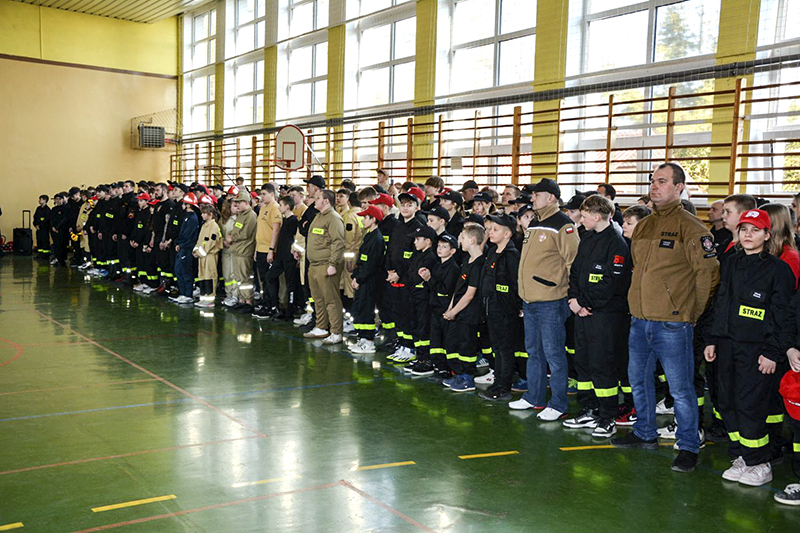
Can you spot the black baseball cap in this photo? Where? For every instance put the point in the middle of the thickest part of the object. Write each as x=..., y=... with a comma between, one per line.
x=424, y=231
x=504, y=220
x=316, y=180
x=548, y=185
x=438, y=211
x=482, y=196
x=521, y=200
x=469, y=184
x=575, y=202
x=183, y=187
x=453, y=196
x=73, y=191
x=449, y=239
x=524, y=209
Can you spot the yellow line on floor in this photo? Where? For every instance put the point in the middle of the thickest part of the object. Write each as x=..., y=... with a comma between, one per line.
x=264, y=481
x=15, y=525
x=387, y=465
x=133, y=503
x=607, y=447
x=482, y=455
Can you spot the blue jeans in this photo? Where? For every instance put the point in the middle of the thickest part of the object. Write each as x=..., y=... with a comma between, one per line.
x=545, y=338
x=671, y=344
x=183, y=272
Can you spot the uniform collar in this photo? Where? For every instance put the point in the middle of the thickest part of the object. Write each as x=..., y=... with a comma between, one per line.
x=668, y=208
x=547, y=212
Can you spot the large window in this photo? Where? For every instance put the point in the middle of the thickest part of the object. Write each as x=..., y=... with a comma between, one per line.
x=386, y=61
x=307, y=15
x=492, y=43
x=250, y=31
x=249, y=88
x=201, y=108
x=307, y=88
x=623, y=33
x=203, y=45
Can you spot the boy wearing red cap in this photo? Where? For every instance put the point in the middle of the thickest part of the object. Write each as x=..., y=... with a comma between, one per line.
x=367, y=275
x=387, y=224
x=139, y=239
x=749, y=318
x=184, y=244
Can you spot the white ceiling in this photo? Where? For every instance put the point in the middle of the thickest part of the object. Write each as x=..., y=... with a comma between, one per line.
x=133, y=10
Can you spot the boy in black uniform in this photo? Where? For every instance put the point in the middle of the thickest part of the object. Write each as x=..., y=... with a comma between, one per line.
x=387, y=225
x=284, y=263
x=95, y=219
x=160, y=220
x=139, y=241
x=419, y=292
x=108, y=227
x=58, y=229
x=367, y=275
x=441, y=280
x=125, y=223
x=748, y=337
x=398, y=260
x=41, y=221
x=464, y=313
x=599, y=281
x=501, y=304
x=173, y=230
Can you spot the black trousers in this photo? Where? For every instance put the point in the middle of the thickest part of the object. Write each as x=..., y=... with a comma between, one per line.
x=404, y=314
x=59, y=249
x=462, y=347
x=110, y=247
x=144, y=267
x=127, y=256
x=384, y=302
x=43, y=240
x=364, y=310
x=438, y=335
x=272, y=283
x=163, y=266
x=598, y=340
x=97, y=250
x=744, y=399
x=260, y=275
x=505, y=339
x=420, y=318
x=795, y=425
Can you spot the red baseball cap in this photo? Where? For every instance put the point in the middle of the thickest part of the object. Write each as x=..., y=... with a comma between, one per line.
x=143, y=196
x=790, y=390
x=415, y=193
x=190, y=198
x=757, y=218
x=233, y=190
x=384, y=199
x=254, y=194
x=372, y=211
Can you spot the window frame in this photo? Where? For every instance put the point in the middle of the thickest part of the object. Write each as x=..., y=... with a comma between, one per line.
x=257, y=19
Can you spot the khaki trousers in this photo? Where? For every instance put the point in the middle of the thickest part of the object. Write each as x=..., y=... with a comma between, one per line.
x=327, y=301
x=243, y=274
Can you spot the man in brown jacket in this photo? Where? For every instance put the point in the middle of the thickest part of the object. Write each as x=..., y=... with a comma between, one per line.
x=241, y=242
x=549, y=247
x=325, y=252
x=675, y=275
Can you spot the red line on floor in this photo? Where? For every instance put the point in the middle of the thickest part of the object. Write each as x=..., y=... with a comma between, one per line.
x=209, y=507
x=144, y=337
x=109, y=384
x=131, y=454
x=153, y=375
x=386, y=507
x=19, y=348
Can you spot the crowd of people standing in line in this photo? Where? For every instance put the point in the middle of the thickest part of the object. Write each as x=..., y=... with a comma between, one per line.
x=617, y=305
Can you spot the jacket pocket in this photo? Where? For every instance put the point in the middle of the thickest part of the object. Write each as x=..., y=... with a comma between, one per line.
x=545, y=282
x=673, y=307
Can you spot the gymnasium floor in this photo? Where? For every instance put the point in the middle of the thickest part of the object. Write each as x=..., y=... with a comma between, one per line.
x=213, y=422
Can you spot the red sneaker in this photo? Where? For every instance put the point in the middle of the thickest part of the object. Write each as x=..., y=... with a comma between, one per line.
x=627, y=417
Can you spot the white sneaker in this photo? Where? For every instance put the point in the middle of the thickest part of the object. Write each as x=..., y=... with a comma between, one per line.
x=549, y=415
x=148, y=290
x=196, y=292
x=734, y=473
x=204, y=304
x=406, y=357
x=230, y=302
x=486, y=379
x=316, y=333
x=755, y=476
x=333, y=338
x=185, y=300
x=662, y=409
x=399, y=352
x=348, y=326
x=303, y=320
x=520, y=405
x=363, y=346
x=668, y=431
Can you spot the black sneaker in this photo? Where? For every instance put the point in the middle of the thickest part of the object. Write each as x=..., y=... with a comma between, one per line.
x=261, y=313
x=717, y=431
x=587, y=418
x=495, y=394
x=685, y=461
x=631, y=440
x=605, y=428
x=439, y=373
x=245, y=309
x=422, y=368
x=790, y=495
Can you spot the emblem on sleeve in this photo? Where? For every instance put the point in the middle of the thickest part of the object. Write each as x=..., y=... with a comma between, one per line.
x=707, y=242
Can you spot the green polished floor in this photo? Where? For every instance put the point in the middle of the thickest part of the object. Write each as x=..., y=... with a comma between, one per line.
x=109, y=397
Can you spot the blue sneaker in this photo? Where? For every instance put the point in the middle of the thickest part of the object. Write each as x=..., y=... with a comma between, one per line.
x=521, y=385
x=448, y=382
x=465, y=383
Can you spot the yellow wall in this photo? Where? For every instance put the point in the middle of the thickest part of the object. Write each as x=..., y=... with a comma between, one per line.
x=57, y=35
x=66, y=125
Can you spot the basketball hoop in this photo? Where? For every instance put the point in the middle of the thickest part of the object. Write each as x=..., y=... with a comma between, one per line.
x=290, y=146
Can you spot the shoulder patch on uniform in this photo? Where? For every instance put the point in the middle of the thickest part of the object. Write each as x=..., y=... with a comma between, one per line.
x=570, y=229
x=707, y=242
x=619, y=260
x=348, y=227
x=213, y=236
